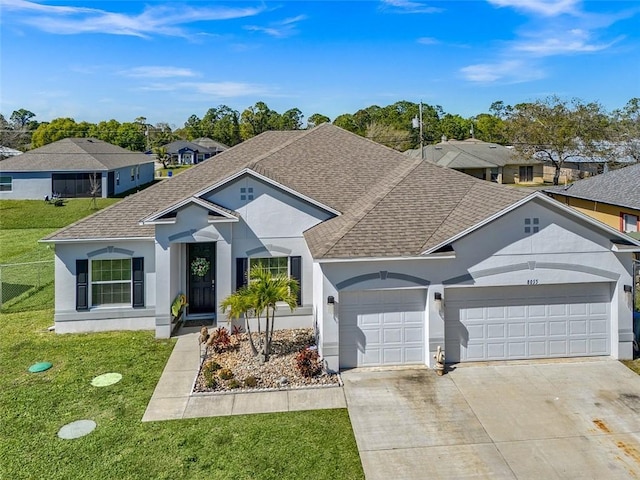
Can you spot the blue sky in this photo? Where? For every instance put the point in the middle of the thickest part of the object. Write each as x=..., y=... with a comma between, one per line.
x=94, y=60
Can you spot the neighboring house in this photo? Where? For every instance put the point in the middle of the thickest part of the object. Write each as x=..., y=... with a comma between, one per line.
x=182, y=152
x=395, y=255
x=217, y=147
x=6, y=152
x=66, y=167
x=572, y=171
x=487, y=161
x=612, y=197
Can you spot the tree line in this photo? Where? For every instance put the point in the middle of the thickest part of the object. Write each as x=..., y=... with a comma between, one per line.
x=552, y=128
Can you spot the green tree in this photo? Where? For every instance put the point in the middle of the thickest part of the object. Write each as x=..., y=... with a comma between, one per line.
x=192, y=128
x=625, y=131
x=317, y=119
x=58, y=129
x=557, y=130
x=454, y=126
x=260, y=298
x=131, y=137
x=489, y=128
x=21, y=118
x=222, y=124
x=290, y=120
x=160, y=134
x=258, y=119
x=162, y=155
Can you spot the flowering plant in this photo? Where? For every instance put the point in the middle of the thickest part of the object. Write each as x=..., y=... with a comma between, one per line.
x=200, y=266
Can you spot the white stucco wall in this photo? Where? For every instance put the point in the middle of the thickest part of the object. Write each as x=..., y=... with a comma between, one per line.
x=565, y=250
x=68, y=320
x=147, y=174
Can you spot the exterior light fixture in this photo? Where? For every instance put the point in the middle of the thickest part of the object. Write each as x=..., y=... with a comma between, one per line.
x=628, y=289
x=437, y=296
x=330, y=300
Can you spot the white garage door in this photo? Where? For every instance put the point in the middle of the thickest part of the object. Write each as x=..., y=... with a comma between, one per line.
x=527, y=322
x=381, y=327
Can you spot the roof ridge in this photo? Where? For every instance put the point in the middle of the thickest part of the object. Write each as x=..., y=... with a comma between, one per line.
x=279, y=147
x=354, y=216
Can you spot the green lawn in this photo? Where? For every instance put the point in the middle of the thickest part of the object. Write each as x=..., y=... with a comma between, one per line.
x=34, y=406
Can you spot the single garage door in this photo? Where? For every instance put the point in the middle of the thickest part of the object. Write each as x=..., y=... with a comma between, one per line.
x=541, y=321
x=381, y=327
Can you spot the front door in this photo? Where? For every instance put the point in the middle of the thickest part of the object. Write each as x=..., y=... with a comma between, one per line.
x=201, y=277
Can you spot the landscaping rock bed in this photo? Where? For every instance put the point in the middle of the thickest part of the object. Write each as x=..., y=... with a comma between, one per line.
x=279, y=372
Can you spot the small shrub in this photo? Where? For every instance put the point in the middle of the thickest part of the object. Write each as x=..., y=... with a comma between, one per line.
x=308, y=362
x=225, y=374
x=233, y=384
x=210, y=382
x=219, y=340
x=208, y=371
x=250, y=381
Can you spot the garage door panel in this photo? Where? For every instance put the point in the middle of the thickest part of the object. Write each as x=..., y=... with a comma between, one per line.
x=550, y=321
x=390, y=325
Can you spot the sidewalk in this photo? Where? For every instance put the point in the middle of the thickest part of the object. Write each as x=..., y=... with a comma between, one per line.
x=172, y=398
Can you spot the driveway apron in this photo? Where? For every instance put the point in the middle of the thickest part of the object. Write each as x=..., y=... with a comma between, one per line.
x=552, y=420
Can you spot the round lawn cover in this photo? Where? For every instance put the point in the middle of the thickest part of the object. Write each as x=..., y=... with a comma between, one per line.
x=106, y=379
x=40, y=367
x=76, y=429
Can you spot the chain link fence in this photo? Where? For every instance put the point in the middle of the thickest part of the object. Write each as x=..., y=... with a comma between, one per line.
x=26, y=286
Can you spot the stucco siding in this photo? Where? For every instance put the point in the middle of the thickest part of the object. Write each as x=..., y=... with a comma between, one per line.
x=27, y=186
x=123, y=181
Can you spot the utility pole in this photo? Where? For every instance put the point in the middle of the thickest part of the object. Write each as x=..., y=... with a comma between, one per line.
x=417, y=122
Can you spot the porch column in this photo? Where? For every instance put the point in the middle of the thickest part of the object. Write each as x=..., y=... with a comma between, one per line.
x=435, y=322
x=163, y=291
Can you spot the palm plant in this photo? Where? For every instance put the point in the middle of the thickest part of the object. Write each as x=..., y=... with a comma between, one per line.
x=261, y=296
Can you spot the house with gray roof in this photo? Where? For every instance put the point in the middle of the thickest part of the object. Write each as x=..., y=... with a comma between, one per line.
x=211, y=144
x=182, y=152
x=484, y=160
x=66, y=168
x=395, y=256
x=612, y=198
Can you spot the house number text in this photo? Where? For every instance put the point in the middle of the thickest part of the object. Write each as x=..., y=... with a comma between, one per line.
x=532, y=281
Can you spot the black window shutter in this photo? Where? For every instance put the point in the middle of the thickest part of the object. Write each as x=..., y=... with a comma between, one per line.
x=138, y=282
x=82, y=284
x=296, y=274
x=242, y=264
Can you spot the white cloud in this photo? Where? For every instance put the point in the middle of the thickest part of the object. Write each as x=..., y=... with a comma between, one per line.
x=428, y=41
x=158, y=72
x=216, y=89
x=408, y=6
x=282, y=29
x=156, y=19
x=508, y=71
x=561, y=43
x=547, y=8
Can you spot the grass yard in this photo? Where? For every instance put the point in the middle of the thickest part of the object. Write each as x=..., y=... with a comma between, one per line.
x=34, y=406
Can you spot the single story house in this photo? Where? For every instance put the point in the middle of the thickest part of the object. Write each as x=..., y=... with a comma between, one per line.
x=182, y=152
x=484, y=160
x=211, y=144
x=612, y=198
x=395, y=256
x=67, y=166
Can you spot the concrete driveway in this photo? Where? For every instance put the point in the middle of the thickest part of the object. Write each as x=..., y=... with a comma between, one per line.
x=566, y=419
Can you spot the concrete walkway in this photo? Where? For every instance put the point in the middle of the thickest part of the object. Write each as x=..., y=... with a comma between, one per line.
x=172, y=398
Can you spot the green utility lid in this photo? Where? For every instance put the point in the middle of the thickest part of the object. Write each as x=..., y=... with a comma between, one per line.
x=106, y=379
x=40, y=367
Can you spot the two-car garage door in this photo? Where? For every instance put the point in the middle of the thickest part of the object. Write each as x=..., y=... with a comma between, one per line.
x=382, y=327
x=527, y=322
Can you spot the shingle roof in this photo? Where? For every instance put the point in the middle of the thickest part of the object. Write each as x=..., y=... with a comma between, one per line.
x=471, y=153
x=74, y=154
x=616, y=187
x=178, y=145
x=391, y=204
x=212, y=144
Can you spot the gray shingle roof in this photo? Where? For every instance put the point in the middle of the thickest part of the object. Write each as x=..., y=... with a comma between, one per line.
x=178, y=145
x=471, y=153
x=391, y=204
x=617, y=187
x=74, y=154
x=212, y=144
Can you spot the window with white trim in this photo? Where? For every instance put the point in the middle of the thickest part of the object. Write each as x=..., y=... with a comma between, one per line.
x=275, y=265
x=111, y=282
x=630, y=223
x=6, y=184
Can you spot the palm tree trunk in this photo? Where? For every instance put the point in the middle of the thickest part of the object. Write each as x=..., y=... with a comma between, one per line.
x=254, y=351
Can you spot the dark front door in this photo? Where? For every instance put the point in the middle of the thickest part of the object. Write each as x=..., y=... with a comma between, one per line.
x=201, y=277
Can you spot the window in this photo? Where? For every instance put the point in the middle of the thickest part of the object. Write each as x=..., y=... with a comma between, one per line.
x=133, y=174
x=531, y=225
x=111, y=282
x=117, y=178
x=200, y=157
x=630, y=223
x=291, y=266
x=6, y=184
x=138, y=172
x=275, y=265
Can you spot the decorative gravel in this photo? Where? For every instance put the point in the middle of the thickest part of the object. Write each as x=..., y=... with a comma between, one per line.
x=279, y=372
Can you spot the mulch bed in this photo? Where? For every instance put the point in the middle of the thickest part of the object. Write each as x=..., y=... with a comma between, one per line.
x=279, y=372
